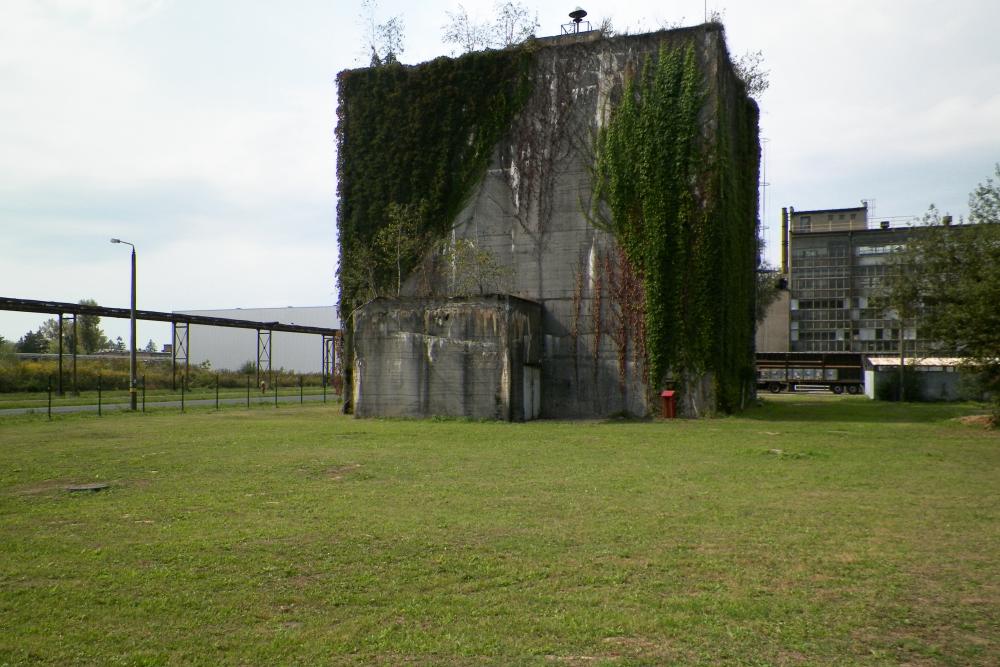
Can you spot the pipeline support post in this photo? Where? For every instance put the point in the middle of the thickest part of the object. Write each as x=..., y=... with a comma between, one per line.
x=179, y=352
x=264, y=354
x=60, y=384
x=329, y=357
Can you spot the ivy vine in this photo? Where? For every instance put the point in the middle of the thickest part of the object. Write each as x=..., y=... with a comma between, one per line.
x=418, y=138
x=680, y=185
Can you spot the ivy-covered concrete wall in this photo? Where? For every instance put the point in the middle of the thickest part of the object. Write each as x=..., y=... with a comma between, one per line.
x=621, y=197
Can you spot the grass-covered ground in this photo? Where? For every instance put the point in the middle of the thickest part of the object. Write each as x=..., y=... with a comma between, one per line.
x=813, y=530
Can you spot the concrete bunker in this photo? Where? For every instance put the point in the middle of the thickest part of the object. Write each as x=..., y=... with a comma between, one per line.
x=526, y=155
x=476, y=357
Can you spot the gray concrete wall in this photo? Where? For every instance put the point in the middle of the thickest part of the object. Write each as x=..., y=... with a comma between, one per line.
x=935, y=385
x=772, y=332
x=471, y=357
x=530, y=211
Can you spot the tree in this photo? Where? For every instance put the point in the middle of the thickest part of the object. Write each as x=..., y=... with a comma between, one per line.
x=474, y=270
x=383, y=42
x=768, y=289
x=33, y=341
x=400, y=241
x=118, y=345
x=50, y=333
x=750, y=69
x=150, y=346
x=464, y=32
x=512, y=24
x=947, y=281
x=90, y=336
x=88, y=331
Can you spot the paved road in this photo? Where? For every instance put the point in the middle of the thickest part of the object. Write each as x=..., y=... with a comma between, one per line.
x=113, y=407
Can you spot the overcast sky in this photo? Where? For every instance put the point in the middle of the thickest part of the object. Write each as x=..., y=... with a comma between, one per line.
x=202, y=131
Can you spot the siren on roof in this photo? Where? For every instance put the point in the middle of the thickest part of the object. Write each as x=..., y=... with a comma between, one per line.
x=573, y=28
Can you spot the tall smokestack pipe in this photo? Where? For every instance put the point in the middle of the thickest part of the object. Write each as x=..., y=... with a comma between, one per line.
x=784, y=240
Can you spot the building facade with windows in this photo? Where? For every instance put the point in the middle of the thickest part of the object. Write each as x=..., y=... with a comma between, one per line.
x=835, y=261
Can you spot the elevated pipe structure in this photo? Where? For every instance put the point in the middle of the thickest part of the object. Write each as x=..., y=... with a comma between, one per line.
x=77, y=309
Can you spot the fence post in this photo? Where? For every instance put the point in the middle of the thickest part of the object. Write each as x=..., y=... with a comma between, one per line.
x=301, y=396
x=324, y=387
x=248, y=391
x=143, y=392
x=50, y=398
x=98, y=394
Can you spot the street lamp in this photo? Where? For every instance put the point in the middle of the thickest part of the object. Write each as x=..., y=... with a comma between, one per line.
x=132, y=395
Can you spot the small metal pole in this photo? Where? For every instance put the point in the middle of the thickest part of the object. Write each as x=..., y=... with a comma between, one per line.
x=50, y=398
x=98, y=394
x=301, y=396
x=143, y=392
x=60, y=354
x=324, y=387
x=76, y=345
x=216, y=391
x=173, y=356
x=902, y=363
x=248, y=391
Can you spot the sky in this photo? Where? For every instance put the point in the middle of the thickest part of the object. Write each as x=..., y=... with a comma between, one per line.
x=202, y=131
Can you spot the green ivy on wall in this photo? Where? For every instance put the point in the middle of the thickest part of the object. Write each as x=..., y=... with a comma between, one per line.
x=677, y=169
x=419, y=138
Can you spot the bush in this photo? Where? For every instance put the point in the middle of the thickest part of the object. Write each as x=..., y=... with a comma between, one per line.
x=887, y=387
x=113, y=373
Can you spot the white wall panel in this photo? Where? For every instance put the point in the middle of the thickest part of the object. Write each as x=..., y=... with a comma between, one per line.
x=229, y=348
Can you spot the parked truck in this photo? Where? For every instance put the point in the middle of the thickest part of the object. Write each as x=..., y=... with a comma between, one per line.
x=788, y=371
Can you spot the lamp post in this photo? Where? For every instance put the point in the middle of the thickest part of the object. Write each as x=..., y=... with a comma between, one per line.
x=132, y=382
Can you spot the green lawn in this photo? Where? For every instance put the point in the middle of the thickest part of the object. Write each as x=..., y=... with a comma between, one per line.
x=813, y=530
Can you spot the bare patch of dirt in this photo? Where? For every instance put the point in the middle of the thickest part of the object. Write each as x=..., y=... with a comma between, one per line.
x=982, y=421
x=42, y=488
x=580, y=659
x=57, y=486
x=337, y=473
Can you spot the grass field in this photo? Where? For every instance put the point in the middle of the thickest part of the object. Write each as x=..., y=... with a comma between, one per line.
x=812, y=530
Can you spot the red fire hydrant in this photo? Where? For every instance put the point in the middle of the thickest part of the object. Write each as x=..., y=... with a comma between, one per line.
x=668, y=404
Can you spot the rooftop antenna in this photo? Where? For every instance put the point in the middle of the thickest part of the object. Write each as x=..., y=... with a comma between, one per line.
x=763, y=189
x=573, y=28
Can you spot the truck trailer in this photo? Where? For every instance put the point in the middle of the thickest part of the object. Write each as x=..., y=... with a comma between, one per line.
x=788, y=371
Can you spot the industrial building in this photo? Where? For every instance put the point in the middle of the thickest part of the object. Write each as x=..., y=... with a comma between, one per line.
x=834, y=261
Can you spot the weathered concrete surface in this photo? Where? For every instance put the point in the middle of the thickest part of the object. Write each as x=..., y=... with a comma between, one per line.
x=531, y=211
x=463, y=357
